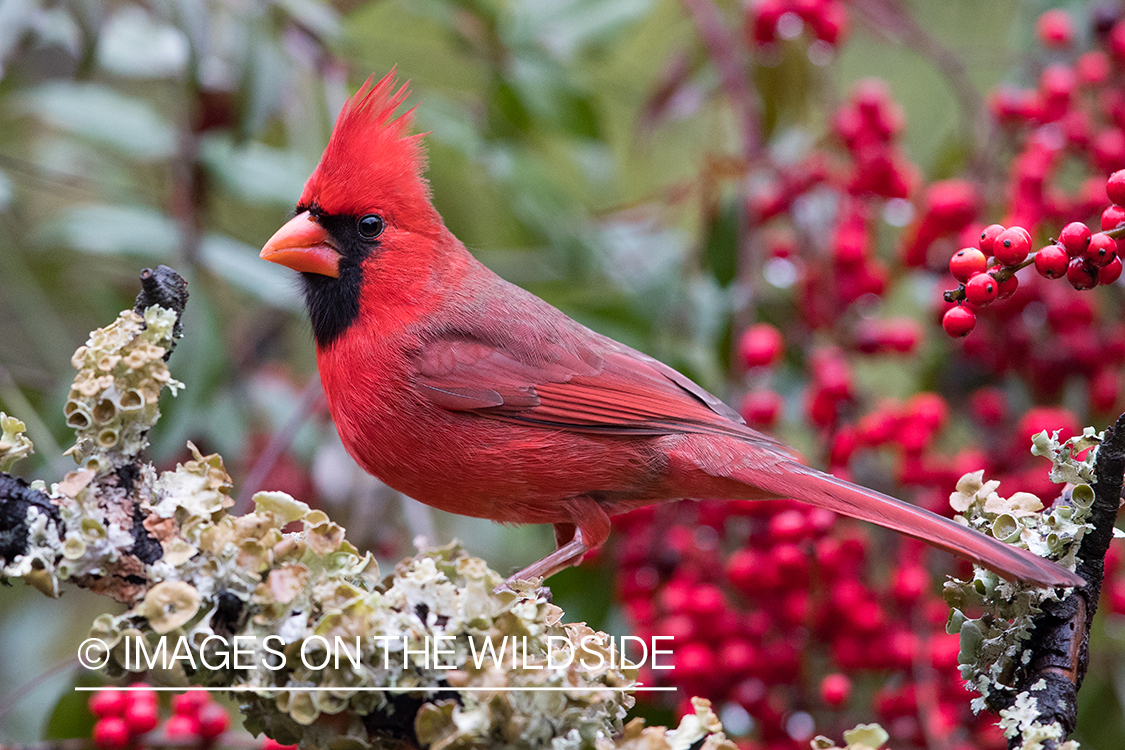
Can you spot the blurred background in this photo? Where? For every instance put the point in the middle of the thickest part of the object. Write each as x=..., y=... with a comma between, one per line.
x=671, y=173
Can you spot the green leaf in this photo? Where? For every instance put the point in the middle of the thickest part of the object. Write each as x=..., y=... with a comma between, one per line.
x=16, y=17
x=508, y=116
x=7, y=191
x=135, y=45
x=564, y=28
x=239, y=264
x=264, y=83
x=720, y=250
x=130, y=126
x=70, y=718
x=106, y=230
x=255, y=172
x=317, y=17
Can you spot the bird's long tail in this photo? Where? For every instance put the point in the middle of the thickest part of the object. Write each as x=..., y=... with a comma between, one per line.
x=783, y=477
x=826, y=491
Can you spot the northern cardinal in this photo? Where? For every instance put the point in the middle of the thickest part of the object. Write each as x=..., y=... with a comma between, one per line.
x=474, y=396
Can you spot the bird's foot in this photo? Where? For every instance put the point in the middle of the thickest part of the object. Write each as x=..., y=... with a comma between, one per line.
x=519, y=587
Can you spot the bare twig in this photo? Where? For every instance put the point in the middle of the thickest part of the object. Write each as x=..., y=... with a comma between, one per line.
x=893, y=18
x=279, y=443
x=725, y=52
x=13, y=699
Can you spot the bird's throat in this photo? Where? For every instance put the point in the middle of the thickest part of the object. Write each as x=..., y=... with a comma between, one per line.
x=333, y=303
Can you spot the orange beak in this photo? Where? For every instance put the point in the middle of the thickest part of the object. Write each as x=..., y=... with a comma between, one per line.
x=303, y=245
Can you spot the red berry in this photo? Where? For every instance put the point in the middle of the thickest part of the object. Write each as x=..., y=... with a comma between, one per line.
x=760, y=345
x=761, y=409
x=1049, y=418
x=111, y=733
x=141, y=693
x=694, y=662
x=1082, y=274
x=141, y=716
x=739, y=656
x=1111, y=272
x=981, y=289
x=1055, y=29
x=835, y=689
x=189, y=703
x=1057, y=84
x=180, y=726
x=213, y=721
x=789, y=526
x=1075, y=237
x=1051, y=262
x=959, y=321
x=909, y=582
x=1012, y=246
x=902, y=335
x=1092, y=68
x=1102, y=250
x=966, y=262
x=1113, y=217
x=1115, y=187
x=270, y=744
x=1006, y=287
x=1103, y=390
x=273, y=744
x=988, y=405
x=988, y=237
x=108, y=702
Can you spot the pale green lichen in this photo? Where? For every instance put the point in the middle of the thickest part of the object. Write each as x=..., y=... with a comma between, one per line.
x=14, y=444
x=1022, y=719
x=701, y=729
x=863, y=737
x=198, y=487
x=113, y=402
x=994, y=645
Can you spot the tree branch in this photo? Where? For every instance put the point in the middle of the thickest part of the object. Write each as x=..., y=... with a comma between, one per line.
x=301, y=628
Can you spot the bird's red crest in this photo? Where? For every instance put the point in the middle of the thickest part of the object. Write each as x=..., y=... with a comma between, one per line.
x=372, y=163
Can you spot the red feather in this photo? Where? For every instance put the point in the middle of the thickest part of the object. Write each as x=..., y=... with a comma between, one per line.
x=371, y=159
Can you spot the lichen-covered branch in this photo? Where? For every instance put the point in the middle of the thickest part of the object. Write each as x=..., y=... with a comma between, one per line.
x=318, y=645
x=1027, y=652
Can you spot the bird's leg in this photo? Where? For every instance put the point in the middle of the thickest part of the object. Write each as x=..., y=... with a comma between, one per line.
x=588, y=531
x=565, y=556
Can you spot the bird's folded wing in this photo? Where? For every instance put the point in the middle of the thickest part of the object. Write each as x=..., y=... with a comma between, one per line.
x=615, y=391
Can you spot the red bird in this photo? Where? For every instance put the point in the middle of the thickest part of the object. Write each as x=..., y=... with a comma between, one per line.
x=477, y=397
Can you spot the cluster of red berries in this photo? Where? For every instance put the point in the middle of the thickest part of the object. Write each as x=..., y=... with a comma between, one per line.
x=1076, y=115
x=775, y=612
x=124, y=717
x=948, y=207
x=1085, y=258
x=768, y=21
x=869, y=124
x=760, y=348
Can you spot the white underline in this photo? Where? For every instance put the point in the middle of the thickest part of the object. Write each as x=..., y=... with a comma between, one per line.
x=427, y=689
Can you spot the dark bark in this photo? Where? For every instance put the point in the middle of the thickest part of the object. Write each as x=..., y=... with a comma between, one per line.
x=1060, y=642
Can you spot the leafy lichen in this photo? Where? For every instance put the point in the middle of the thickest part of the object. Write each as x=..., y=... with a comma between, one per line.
x=994, y=644
x=14, y=444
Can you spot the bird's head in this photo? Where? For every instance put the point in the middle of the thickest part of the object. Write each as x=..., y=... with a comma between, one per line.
x=365, y=197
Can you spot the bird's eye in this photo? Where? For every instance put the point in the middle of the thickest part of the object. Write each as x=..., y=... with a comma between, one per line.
x=370, y=226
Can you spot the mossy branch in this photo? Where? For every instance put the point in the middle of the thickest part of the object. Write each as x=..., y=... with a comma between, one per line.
x=1027, y=654
x=201, y=583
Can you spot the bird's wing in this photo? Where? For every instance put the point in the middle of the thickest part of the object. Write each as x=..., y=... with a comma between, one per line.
x=614, y=390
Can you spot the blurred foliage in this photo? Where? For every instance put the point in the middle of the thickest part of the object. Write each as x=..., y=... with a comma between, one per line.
x=577, y=145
